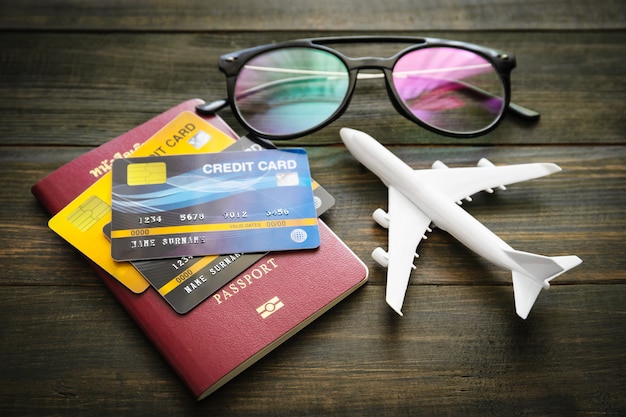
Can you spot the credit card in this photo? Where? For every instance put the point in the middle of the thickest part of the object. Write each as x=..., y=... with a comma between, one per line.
x=187, y=281
x=228, y=202
x=81, y=222
x=322, y=198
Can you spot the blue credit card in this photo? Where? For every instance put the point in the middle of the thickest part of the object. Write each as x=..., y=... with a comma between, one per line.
x=210, y=204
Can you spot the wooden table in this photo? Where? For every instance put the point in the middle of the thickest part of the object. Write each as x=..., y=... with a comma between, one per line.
x=75, y=76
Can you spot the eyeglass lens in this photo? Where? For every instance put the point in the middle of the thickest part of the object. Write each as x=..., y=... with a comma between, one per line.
x=291, y=90
x=451, y=89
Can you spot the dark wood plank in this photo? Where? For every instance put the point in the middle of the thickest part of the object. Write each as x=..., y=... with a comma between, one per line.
x=76, y=74
x=88, y=88
x=459, y=350
x=67, y=345
x=578, y=211
x=329, y=15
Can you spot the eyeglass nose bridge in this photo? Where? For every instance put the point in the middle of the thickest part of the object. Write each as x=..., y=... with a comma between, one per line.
x=383, y=66
x=370, y=63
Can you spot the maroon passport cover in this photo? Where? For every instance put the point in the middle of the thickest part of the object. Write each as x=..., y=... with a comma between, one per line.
x=248, y=317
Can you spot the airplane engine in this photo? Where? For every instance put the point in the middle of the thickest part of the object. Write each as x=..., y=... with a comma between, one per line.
x=381, y=217
x=485, y=163
x=439, y=165
x=381, y=257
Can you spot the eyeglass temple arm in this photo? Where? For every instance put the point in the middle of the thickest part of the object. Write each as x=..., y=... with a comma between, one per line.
x=211, y=109
x=524, y=112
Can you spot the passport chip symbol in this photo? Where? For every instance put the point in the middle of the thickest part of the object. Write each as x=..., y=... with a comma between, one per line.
x=270, y=307
x=146, y=173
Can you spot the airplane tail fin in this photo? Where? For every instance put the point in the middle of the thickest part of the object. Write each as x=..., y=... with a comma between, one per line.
x=537, y=272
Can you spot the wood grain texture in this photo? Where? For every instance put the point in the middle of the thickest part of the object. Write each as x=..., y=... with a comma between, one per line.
x=554, y=215
x=74, y=74
x=331, y=15
x=458, y=351
x=92, y=87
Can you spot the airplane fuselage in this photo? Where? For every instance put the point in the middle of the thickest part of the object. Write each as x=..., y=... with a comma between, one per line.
x=445, y=214
x=417, y=198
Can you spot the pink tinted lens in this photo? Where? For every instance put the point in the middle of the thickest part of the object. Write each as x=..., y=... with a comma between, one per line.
x=451, y=89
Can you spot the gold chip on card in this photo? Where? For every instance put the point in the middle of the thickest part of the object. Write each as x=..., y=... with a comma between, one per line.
x=146, y=174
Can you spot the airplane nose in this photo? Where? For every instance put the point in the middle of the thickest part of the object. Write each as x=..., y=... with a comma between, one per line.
x=349, y=136
x=346, y=133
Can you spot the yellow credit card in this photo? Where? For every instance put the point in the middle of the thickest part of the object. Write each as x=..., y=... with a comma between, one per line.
x=81, y=222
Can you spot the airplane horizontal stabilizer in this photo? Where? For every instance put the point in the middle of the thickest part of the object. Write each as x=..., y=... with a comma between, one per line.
x=539, y=271
x=526, y=291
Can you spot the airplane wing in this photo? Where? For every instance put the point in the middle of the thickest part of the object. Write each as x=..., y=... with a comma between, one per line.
x=460, y=183
x=407, y=226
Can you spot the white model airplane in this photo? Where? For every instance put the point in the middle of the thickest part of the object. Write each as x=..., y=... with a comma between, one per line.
x=418, y=198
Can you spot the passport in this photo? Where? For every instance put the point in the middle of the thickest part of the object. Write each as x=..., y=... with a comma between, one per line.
x=248, y=317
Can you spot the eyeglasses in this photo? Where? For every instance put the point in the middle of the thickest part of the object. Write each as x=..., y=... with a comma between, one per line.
x=291, y=89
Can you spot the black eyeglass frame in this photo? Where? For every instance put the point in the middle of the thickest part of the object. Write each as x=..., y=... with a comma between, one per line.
x=232, y=63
